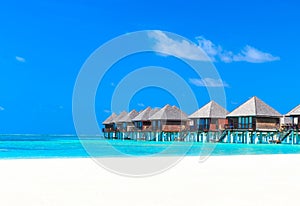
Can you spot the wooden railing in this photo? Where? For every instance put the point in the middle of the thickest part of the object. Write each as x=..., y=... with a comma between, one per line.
x=108, y=130
x=173, y=128
x=251, y=126
x=203, y=128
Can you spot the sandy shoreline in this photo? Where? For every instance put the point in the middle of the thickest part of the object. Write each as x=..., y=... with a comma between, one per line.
x=230, y=180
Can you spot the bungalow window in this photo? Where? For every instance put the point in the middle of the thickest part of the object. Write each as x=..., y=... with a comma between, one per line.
x=250, y=122
x=203, y=124
x=154, y=125
x=241, y=122
x=158, y=124
x=138, y=125
x=245, y=123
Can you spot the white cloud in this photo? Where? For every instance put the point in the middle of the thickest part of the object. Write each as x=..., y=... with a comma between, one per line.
x=2, y=108
x=247, y=54
x=208, y=47
x=206, y=50
x=106, y=111
x=20, y=59
x=250, y=54
x=141, y=105
x=180, y=49
x=226, y=56
x=208, y=82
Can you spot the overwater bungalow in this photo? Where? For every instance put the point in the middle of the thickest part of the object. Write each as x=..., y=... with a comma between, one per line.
x=142, y=124
x=208, y=122
x=169, y=123
x=119, y=125
x=291, y=130
x=142, y=121
x=294, y=114
x=126, y=126
x=109, y=126
x=253, y=122
x=211, y=117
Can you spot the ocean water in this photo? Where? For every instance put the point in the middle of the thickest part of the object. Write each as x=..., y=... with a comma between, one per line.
x=51, y=146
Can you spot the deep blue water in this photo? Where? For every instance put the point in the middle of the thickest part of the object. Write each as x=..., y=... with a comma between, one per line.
x=46, y=146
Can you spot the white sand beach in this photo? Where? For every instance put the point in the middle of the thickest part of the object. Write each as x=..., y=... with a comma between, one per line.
x=232, y=180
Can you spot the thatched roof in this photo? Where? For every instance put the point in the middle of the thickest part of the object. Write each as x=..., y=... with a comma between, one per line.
x=256, y=108
x=128, y=117
x=120, y=116
x=145, y=114
x=294, y=112
x=210, y=110
x=110, y=119
x=169, y=113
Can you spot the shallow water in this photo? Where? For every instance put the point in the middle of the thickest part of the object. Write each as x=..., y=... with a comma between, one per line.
x=56, y=146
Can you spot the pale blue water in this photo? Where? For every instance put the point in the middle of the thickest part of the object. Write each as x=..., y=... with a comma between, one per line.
x=45, y=146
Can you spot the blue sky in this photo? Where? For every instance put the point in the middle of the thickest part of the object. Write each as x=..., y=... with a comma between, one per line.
x=43, y=45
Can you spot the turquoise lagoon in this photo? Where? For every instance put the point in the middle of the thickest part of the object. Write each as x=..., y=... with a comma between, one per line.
x=58, y=146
